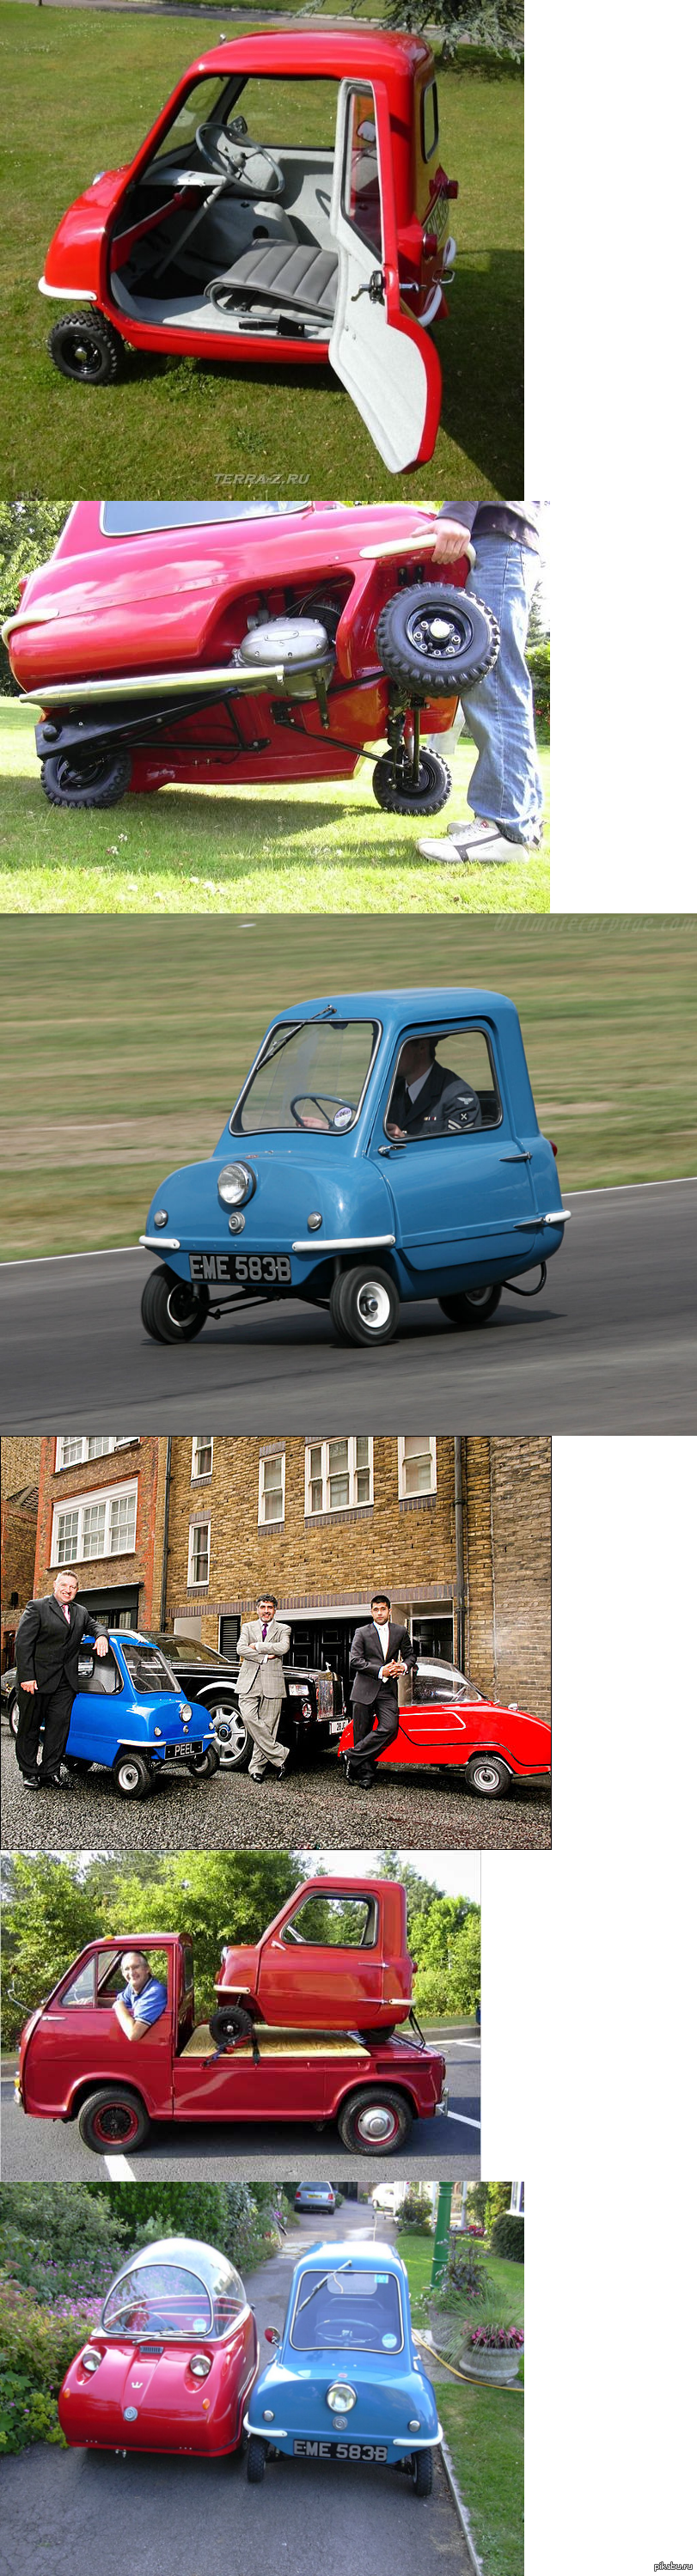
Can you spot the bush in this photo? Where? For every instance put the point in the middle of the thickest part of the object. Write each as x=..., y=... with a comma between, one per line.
x=414, y=2212
x=508, y=2237
x=464, y=2276
x=539, y=669
x=36, y=2348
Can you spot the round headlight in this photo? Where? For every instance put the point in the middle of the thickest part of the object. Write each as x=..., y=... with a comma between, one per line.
x=160, y=1217
x=235, y=1183
x=200, y=2364
x=186, y=1710
x=341, y=2398
x=90, y=2361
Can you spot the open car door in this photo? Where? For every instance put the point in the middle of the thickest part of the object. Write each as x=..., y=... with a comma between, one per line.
x=384, y=358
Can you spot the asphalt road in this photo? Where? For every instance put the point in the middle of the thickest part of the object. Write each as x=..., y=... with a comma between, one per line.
x=610, y=1345
x=48, y=2151
x=68, y=2509
x=312, y=1809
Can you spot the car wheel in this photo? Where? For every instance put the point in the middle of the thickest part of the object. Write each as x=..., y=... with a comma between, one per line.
x=172, y=1310
x=371, y=2036
x=489, y=1777
x=441, y=639
x=112, y=2119
x=367, y=1305
x=132, y=1775
x=422, y=2472
x=427, y=797
x=374, y=2121
x=473, y=1307
x=230, y=2021
x=256, y=2460
x=101, y=780
x=205, y=1763
x=235, y=1747
x=85, y=347
x=13, y=1716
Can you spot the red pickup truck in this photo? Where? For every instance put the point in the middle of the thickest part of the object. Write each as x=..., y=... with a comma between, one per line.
x=75, y=2063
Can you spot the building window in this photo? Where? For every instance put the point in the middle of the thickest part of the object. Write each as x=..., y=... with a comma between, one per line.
x=199, y=1551
x=272, y=1490
x=417, y=1466
x=338, y=1474
x=201, y=1459
x=76, y=1451
x=95, y=1525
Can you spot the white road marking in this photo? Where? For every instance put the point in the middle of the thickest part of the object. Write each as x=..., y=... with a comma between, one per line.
x=118, y=2169
x=464, y=2122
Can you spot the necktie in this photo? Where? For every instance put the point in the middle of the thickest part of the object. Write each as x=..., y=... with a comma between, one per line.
x=66, y=1613
x=264, y=1626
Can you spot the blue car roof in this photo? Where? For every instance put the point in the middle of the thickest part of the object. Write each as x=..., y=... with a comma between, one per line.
x=426, y=1002
x=364, y=2257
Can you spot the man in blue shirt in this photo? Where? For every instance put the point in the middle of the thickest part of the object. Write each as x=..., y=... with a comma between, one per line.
x=144, y=1996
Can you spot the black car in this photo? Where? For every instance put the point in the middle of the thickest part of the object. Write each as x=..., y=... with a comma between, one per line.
x=311, y=1716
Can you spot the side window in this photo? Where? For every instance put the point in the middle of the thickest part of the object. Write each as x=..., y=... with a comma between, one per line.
x=111, y=1976
x=360, y=194
x=80, y=1991
x=335, y=1922
x=429, y=120
x=445, y=1085
x=99, y=1675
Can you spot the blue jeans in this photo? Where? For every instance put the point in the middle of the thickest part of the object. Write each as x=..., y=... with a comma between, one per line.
x=505, y=786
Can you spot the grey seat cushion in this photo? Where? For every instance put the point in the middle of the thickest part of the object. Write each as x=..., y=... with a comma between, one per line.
x=287, y=273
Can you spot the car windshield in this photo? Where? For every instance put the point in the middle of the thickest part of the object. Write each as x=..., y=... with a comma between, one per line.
x=312, y=1076
x=191, y=1650
x=147, y=518
x=164, y=2299
x=146, y=1666
x=353, y=2311
x=443, y=1681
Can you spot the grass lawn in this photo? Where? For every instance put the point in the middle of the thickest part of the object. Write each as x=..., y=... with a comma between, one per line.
x=80, y=95
x=322, y=848
x=127, y=1042
x=483, y=2426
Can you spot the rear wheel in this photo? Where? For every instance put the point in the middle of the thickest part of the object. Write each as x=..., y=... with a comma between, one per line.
x=230, y=2021
x=112, y=2118
x=205, y=1764
x=256, y=2460
x=172, y=1310
x=85, y=347
x=374, y=2121
x=488, y=1776
x=427, y=797
x=132, y=1775
x=422, y=2472
x=99, y=780
x=364, y=1305
x=473, y=1307
x=441, y=638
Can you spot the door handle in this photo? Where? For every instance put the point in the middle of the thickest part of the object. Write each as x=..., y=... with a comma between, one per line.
x=515, y=1158
x=373, y=286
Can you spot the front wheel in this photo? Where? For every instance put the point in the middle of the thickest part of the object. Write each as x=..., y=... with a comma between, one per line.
x=364, y=1305
x=441, y=639
x=422, y=2472
x=427, y=797
x=85, y=347
x=375, y=2121
x=112, y=2119
x=172, y=1310
x=132, y=1775
x=234, y=1739
x=256, y=2460
x=487, y=1776
x=99, y=781
x=13, y=1716
x=205, y=1764
x=473, y=1307
x=230, y=2021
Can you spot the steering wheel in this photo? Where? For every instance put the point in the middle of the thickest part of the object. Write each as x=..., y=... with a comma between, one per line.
x=318, y=1099
x=251, y=171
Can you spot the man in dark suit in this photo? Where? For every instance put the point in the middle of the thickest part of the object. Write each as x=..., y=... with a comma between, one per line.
x=380, y=1652
x=427, y=1099
x=49, y=1638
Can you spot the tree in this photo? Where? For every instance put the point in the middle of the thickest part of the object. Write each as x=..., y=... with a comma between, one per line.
x=29, y=530
x=497, y=26
x=446, y=1944
x=48, y=1919
x=217, y=1896
x=475, y=2206
x=498, y=2202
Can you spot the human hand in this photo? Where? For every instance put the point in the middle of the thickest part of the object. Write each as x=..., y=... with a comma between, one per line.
x=449, y=541
x=102, y=1646
x=29, y=1686
x=394, y=1131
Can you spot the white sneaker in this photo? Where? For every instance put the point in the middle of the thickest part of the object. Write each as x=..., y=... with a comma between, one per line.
x=483, y=843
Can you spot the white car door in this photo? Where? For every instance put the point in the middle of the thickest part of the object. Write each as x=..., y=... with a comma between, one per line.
x=384, y=358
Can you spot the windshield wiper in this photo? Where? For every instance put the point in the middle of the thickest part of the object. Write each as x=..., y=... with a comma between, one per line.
x=320, y=2285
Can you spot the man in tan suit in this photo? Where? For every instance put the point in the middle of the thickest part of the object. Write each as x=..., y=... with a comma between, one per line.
x=262, y=1644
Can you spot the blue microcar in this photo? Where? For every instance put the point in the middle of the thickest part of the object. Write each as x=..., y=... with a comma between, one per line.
x=384, y=1147
x=129, y=1715
x=345, y=2383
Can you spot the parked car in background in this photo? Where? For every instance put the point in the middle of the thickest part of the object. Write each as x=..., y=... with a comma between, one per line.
x=175, y=2321
x=312, y=1713
x=316, y=2195
x=346, y=2382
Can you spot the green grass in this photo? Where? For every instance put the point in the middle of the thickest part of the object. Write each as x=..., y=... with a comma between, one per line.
x=483, y=2426
x=127, y=1042
x=321, y=848
x=417, y=2253
x=79, y=96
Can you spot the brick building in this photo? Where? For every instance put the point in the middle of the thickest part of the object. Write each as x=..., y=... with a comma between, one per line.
x=101, y=1512
x=19, y=1494
x=323, y=1523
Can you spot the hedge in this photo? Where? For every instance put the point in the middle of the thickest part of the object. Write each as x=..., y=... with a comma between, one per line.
x=508, y=2238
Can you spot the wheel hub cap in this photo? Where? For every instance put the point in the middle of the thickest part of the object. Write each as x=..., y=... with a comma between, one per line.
x=373, y=1305
x=376, y=2124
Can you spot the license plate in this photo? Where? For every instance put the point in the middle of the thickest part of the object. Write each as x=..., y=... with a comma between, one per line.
x=180, y=1752
x=238, y=1269
x=340, y=2450
x=336, y=1726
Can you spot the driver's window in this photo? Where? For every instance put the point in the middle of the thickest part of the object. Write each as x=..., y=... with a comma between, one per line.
x=99, y=1675
x=80, y=1990
x=111, y=1974
x=334, y=1922
x=360, y=192
x=444, y=1085
x=207, y=100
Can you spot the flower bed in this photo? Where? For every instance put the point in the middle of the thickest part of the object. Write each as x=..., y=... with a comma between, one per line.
x=36, y=2346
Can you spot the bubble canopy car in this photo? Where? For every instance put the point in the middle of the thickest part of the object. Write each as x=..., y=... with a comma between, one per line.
x=339, y=1188
x=172, y=2361
x=346, y=2383
x=288, y=206
x=200, y=642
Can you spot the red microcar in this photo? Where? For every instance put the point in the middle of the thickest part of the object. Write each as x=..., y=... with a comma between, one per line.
x=289, y=205
x=492, y=1745
x=171, y=2364
x=335, y=1958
